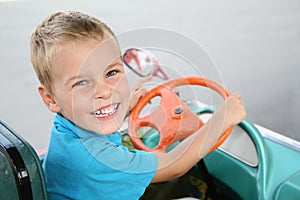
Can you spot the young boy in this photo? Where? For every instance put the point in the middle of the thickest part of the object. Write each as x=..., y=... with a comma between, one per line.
x=78, y=63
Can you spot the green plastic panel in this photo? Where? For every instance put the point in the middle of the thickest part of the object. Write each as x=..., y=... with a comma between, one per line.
x=7, y=179
x=32, y=164
x=290, y=189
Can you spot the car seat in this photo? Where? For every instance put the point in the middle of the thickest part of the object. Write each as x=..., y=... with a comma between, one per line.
x=21, y=175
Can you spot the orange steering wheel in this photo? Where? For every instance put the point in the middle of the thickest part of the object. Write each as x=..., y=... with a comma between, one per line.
x=173, y=119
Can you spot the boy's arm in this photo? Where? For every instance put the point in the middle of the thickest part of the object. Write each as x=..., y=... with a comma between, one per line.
x=185, y=155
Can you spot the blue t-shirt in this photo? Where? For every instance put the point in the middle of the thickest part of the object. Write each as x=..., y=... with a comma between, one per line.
x=84, y=165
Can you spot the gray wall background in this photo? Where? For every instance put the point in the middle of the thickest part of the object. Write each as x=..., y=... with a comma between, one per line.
x=254, y=44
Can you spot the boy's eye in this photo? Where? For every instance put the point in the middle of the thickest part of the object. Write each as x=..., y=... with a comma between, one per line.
x=80, y=83
x=111, y=73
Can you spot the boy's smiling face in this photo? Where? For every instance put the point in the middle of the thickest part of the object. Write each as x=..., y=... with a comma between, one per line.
x=90, y=87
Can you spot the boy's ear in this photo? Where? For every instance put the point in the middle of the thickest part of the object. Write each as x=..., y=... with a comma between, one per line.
x=48, y=99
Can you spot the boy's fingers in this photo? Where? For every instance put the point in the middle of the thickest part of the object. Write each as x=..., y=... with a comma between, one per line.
x=237, y=95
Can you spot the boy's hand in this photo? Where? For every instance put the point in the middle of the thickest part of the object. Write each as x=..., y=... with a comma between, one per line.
x=137, y=92
x=234, y=110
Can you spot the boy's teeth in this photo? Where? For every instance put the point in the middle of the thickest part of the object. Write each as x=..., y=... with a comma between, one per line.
x=107, y=111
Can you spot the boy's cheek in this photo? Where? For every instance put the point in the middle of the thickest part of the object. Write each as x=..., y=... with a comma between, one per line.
x=123, y=85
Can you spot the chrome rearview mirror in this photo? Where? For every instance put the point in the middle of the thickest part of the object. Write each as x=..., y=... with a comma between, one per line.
x=144, y=63
x=138, y=61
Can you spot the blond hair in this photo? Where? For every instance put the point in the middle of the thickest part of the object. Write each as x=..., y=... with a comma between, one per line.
x=56, y=30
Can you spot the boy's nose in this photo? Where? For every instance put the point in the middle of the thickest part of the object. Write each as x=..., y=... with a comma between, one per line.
x=103, y=90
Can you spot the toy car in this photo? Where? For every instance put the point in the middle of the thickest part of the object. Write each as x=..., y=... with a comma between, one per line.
x=251, y=163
